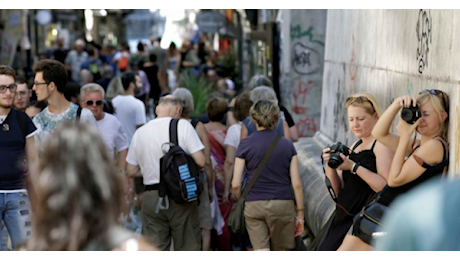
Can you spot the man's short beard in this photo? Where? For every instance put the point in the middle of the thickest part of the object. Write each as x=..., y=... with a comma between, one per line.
x=6, y=106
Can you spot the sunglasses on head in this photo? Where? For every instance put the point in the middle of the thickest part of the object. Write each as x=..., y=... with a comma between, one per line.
x=436, y=92
x=91, y=102
x=359, y=99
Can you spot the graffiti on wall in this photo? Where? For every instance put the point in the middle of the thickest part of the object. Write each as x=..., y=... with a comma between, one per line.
x=306, y=123
x=423, y=32
x=341, y=122
x=353, y=68
x=307, y=60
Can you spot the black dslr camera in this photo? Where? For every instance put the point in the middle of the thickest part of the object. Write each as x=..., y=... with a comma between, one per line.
x=335, y=159
x=411, y=114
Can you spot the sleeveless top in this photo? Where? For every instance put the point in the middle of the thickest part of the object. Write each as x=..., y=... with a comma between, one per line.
x=390, y=193
x=356, y=193
x=352, y=198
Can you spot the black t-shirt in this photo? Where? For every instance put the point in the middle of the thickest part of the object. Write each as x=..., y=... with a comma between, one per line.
x=152, y=72
x=12, y=146
x=287, y=116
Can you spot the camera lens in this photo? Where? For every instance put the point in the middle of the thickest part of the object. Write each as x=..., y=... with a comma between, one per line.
x=335, y=161
x=406, y=114
x=410, y=115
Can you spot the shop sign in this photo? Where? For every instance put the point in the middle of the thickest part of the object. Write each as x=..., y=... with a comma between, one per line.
x=210, y=22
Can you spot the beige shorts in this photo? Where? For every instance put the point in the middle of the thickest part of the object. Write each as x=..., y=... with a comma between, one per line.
x=179, y=223
x=271, y=224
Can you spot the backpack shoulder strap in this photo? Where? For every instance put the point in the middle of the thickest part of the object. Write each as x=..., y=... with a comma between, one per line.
x=173, y=131
x=23, y=122
x=78, y=114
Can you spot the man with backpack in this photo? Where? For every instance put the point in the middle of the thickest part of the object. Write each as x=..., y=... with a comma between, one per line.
x=168, y=213
x=16, y=139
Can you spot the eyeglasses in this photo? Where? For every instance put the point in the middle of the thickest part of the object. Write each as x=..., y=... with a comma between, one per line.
x=22, y=93
x=11, y=87
x=40, y=83
x=445, y=99
x=359, y=99
x=91, y=102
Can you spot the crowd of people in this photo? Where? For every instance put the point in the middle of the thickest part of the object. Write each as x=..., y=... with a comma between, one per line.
x=85, y=165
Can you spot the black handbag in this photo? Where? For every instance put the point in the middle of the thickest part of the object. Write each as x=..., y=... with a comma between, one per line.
x=367, y=224
x=236, y=222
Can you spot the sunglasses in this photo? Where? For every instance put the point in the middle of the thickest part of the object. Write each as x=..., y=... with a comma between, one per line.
x=436, y=92
x=91, y=102
x=360, y=99
x=11, y=87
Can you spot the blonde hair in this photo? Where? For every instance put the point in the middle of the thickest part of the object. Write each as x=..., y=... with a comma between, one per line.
x=440, y=105
x=366, y=101
x=266, y=113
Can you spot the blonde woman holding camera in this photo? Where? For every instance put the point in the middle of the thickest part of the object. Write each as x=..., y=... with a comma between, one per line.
x=356, y=177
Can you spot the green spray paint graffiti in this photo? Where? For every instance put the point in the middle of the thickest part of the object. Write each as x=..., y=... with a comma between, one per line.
x=297, y=33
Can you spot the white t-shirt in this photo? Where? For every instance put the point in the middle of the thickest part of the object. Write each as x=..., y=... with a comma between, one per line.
x=46, y=122
x=233, y=135
x=2, y=118
x=145, y=149
x=112, y=134
x=130, y=111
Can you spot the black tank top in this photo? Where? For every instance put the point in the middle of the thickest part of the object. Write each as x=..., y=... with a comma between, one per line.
x=356, y=192
x=390, y=193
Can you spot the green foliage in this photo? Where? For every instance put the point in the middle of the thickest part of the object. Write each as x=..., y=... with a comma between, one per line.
x=201, y=91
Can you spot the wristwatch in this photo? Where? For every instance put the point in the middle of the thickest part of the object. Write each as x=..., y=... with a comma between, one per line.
x=355, y=168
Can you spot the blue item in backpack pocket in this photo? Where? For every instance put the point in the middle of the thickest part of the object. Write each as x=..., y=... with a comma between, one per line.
x=184, y=172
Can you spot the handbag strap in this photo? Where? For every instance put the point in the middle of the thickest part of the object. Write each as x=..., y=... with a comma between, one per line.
x=261, y=166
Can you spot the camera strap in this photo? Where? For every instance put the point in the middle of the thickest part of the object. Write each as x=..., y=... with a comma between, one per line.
x=329, y=184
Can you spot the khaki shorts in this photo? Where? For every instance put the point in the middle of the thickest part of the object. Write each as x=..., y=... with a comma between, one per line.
x=271, y=224
x=179, y=223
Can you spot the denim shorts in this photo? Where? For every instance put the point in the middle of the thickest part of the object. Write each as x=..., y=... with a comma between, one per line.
x=16, y=213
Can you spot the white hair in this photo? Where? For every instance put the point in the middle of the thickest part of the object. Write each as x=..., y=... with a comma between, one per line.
x=91, y=87
x=263, y=93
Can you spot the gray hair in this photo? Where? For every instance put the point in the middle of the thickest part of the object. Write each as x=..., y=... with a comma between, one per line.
x=91, y=87
x=259, y=80
x=187, y=101
x=263, y=93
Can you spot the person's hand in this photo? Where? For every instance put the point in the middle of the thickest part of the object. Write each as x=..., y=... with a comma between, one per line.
x=226, y=197
x=405, y=129
x=211, y=194
x=405, y=101
x=347, y=164
x=326, y=155
x=299, y=224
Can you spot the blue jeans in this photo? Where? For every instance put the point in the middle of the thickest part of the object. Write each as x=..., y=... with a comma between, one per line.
x=4, y=235
x=16, y=212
